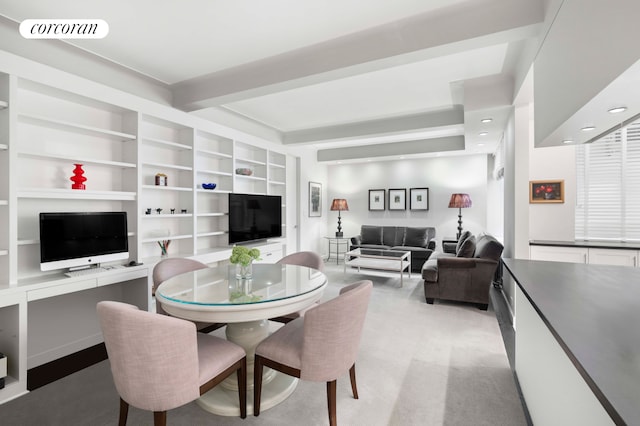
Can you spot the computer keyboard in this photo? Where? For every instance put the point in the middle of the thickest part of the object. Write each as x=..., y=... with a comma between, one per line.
x=83, y=272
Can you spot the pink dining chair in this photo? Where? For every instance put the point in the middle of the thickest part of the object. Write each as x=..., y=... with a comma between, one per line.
x=321, y=346
x=168, y=268
x=303, y=258
x=159, y=362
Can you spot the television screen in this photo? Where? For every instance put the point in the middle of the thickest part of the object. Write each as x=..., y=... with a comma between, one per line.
x=69, y=240
x=254, y=217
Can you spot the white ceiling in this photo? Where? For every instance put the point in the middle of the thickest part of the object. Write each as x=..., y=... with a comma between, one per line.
x=337, y=74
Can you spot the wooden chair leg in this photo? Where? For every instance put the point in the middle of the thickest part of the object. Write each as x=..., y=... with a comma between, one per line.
x=242, y=388
x=352, y=376
x=159, y=418
x=124, y=412
x=331, y=400
x=257, y=384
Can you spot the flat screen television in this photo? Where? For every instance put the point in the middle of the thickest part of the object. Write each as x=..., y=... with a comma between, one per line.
x=80, y=239
x=254, y=217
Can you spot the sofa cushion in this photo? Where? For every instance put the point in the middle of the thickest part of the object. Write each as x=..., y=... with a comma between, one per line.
x=467, y=248
x=430, y=270
x=416, y=237
x=392, y=235
x=489, y=248
x=371, y=234
x=463, y=237
x=374, y=246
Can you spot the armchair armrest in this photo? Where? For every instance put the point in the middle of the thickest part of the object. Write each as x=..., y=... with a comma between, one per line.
x=357, y=240
x=456, y=262
x=431, y=245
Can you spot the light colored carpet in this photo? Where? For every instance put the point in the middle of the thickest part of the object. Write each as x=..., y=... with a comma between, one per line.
x=419, y=364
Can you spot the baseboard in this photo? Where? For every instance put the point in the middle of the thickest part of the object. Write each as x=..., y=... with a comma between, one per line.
x=62, y=367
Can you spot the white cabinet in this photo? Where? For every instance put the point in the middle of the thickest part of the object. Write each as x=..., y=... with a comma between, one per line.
x=620, y=257
x=559, y=254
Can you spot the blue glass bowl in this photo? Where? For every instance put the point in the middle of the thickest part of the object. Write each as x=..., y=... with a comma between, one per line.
x=209, y=185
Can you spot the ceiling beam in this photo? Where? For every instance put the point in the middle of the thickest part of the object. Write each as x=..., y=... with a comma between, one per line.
x=422, y=146
x=447, y=31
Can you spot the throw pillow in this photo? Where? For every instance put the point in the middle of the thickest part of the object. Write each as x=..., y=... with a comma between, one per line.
x=371, y=234
x=467, y=248
x=462, y=239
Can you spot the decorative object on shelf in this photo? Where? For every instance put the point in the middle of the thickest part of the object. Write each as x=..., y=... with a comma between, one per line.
x=376, y=199
x=159, y=211
x=183, y=211
x=546, y=191
x=339, y=204
x=164, y=247
x=315, y=199
x=398, y=199
x=244, y=171
x=209, y=185
x=147, y=211
x=459, y=201
x=173, y=211
x=161, y=179
x=78, y=179
x=3, y=369
x=243, y=258
x=419, y=198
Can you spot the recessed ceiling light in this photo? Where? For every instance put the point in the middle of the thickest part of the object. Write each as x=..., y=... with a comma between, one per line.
x=617, y=109
x=483, y=133
x=588, y=128
x=567, y=141
x=486, y=120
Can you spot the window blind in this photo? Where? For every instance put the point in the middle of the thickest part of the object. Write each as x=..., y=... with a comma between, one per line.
x=608, y=187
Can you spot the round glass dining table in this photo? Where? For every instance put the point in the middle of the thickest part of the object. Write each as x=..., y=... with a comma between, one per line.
x=216, y=295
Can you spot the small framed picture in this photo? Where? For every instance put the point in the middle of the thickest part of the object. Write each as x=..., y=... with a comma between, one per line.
x=315, y=199
x=546, y=191
x=419, y=199
x=376, y=199
x=397, y=199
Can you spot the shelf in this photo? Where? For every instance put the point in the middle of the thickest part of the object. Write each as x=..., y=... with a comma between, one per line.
x=277, y=166
x=4, y=203
x=28, y=242
x=75, y=194
x=167, y=237
x=4, y=252
x=4, y=104
x=167, y=188
x=166, y=144
x=66, y=125
x=212, y=214
x=213, y=191
x=168, y=166
x=211, y=234
x=275, y=182
x=165, y=215
x=3, y=147
x=246, y=160
x=251, y=177
x=74, y=160
x=214, y=153
x=213, y=172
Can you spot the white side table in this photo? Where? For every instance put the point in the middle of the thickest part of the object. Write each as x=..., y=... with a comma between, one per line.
x=334, y=246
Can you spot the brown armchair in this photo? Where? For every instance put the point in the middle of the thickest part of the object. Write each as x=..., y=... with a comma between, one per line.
x=465, y=276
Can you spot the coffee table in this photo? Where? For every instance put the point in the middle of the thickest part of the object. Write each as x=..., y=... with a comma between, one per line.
x=384, y=260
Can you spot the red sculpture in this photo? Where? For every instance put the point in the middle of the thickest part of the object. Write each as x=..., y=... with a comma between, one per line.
x=77, y=178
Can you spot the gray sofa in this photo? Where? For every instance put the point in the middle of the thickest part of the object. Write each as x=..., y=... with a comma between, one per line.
x=420, y=241
x=465, y=275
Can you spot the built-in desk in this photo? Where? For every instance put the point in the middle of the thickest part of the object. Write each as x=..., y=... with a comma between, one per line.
x=577, y=341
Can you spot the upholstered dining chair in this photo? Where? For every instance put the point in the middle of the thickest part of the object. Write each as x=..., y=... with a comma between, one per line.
x=321, y=346
x=160, y=362
x=309, y=259
x=168, y=268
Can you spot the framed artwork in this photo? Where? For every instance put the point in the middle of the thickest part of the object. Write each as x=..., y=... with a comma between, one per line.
x=376, y=199
x=397, y=199
x=546, y=191
x=315, y=199
x=419, y=199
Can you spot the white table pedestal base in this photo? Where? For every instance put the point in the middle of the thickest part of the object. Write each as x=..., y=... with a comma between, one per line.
x=276, y=387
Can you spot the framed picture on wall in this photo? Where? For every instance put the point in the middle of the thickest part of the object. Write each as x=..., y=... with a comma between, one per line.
x=376, y=199
x=419, y=199
x=397, y=199
x=315, y=199
x=546, y=191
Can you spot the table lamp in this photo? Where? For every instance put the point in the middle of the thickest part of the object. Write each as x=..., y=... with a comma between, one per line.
x=339, y=204
x=459, y=201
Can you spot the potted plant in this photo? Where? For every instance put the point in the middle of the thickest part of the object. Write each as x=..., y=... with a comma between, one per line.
x=243, y=258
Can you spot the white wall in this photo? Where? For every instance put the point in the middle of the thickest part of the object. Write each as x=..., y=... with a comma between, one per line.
x=442, y=175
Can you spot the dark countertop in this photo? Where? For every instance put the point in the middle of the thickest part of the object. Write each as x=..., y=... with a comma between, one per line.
x=588, y=244
x=593, y=311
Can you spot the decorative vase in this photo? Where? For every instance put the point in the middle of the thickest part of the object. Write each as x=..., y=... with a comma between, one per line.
x=244, y=272
x=77, y=178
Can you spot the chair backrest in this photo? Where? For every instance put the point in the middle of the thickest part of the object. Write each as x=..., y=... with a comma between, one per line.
x=168, y=268
x=332, y=332
x=304, y=258
x=154, y=358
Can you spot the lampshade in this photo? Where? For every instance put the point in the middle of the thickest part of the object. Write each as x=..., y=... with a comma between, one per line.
x=459, y=201
x=339, y=204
